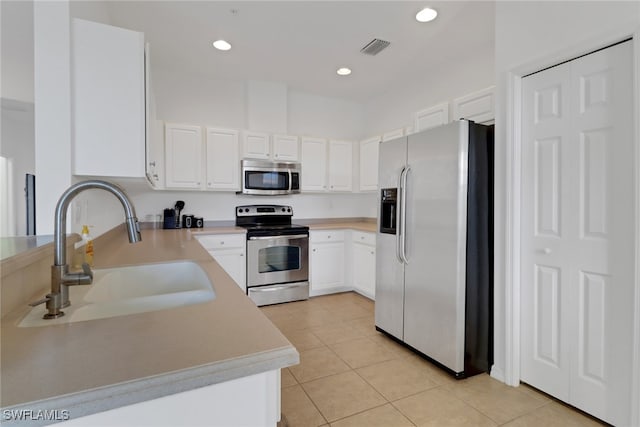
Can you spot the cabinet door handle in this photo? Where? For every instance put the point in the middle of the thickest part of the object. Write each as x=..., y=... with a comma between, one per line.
x=313, y=250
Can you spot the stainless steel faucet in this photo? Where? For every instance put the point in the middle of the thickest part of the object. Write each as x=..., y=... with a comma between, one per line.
x=61, y=279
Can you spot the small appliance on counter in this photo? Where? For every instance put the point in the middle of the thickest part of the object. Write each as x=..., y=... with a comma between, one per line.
x=172, y=216
x=192, y=221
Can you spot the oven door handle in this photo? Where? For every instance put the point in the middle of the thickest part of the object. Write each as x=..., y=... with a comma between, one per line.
x=277, y=287
x=284, y=236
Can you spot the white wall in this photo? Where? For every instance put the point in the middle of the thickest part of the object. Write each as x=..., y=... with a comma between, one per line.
x=18, y=144
x=315, y=115
x=17, y=122
x=394, y=106
x=17, y=50
x=184, y=98
x=526, y=32
x=220, y=206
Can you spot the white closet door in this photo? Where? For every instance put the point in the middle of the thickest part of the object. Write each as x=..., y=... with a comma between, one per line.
x=577, y=232
x=546, y=274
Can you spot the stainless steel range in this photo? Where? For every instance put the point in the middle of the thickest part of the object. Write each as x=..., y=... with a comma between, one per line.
x=277, y=254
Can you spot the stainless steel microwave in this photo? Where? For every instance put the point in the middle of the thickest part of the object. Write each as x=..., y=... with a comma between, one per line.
x=262, y=177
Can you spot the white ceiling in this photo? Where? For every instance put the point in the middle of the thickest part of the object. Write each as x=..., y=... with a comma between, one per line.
x=302, y=43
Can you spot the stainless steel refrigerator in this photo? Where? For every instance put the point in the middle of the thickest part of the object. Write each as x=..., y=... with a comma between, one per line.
x=434, y=271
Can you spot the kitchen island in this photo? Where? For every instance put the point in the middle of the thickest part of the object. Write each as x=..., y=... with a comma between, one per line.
x=76, y=369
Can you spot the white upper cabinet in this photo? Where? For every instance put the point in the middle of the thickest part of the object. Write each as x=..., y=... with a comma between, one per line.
x=314, y=164
x=255, y=145
x=285, y=148
x=108, y=100
x=340, y=165
x=369, y=164
x=183, y=154
x=432, y=117
x=222, y=159
x=477, y=106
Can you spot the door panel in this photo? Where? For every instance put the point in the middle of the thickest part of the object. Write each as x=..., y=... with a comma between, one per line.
x=577, y=232
x=436, y=243
x=545, y=278
x=389, y=306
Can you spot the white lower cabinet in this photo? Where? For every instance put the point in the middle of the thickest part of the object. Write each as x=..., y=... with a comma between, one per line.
x=342, y=260
x=364, y=263
x=248, y=401
x=327, y=262
x=229, y=250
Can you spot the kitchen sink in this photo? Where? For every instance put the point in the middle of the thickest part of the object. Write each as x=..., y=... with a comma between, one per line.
x=132, y=289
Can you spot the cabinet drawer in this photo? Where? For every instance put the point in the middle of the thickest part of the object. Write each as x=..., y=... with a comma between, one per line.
x=326, y=236
x=364, y=238
x=222, y=241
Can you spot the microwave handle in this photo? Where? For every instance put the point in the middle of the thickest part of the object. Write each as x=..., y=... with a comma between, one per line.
x=290, y=180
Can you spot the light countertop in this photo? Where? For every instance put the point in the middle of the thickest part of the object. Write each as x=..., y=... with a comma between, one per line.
x=91, y=366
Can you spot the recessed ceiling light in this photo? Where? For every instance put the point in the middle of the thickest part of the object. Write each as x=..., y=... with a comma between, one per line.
x=344, y=71
x=221, y=45
x=425, y=15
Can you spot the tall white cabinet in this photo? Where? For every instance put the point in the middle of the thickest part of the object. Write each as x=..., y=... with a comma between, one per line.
x=183, y=154
x=340, y=165
x=222, y=159
x=314, y=164
x=108, y=99
x=369, y=163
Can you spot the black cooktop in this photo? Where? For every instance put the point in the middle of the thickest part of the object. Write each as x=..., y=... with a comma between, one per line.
x=268, y=220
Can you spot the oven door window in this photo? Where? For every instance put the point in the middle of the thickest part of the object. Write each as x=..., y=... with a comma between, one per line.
x=278, y=258
x=261, y=180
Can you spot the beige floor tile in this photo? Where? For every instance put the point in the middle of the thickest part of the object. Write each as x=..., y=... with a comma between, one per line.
x=363, y=325
x=497, y=400
x=286, y=378
x=398, y=378
x=313, y=316
x=335, y=333
x=303, y=339
x=554, y=415
x=317, y=363
x=348, y=311
x=361, y=352
x=382, y=416
x=438, y=375
x=298, y=409
x=341, y=395
x=388, y=344
x=364, y=302
x=440, y=408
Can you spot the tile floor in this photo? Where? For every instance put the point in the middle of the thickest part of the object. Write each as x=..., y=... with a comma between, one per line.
x=351, y=375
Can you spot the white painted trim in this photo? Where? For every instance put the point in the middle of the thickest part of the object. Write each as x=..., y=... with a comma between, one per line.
x=512, y=232
x=513, y=124
x=635, y=378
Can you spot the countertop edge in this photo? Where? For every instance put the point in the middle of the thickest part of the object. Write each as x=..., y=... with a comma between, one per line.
x=114, y=396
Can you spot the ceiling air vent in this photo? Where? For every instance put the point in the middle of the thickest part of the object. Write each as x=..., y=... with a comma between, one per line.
x=374, y=47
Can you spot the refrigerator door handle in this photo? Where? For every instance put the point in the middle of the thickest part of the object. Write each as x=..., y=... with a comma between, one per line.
x=399, y=217
x=403, y=224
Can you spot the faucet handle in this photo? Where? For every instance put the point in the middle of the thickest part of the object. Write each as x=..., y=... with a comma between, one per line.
x=86, y=268
x=40, y=301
